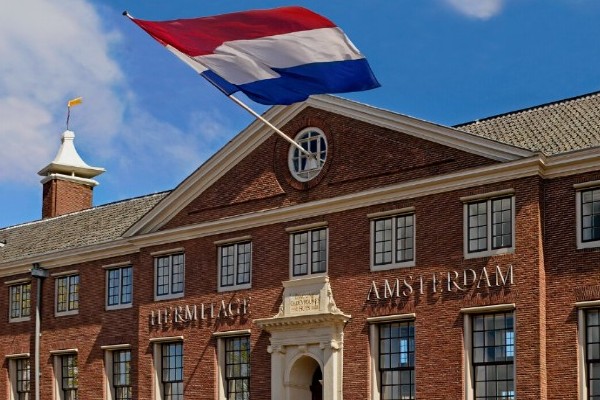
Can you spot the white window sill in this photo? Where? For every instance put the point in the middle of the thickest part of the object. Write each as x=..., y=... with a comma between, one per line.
x=168, y=296
x=21, y=319
x=118, y=307
x=235, y=287
x=66, y=313
x=297, y=277
x=588, y=245
x=489, y=253
x=385, y=267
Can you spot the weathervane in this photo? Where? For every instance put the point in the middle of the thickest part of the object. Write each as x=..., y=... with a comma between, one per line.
x=70, y=104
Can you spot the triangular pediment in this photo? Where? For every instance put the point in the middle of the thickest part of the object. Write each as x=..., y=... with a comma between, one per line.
x=370, y=150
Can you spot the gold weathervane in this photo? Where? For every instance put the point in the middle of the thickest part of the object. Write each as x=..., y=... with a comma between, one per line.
x=71, y=103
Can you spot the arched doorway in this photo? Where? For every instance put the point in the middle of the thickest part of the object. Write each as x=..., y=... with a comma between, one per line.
x=316, y=389
x=306, y=380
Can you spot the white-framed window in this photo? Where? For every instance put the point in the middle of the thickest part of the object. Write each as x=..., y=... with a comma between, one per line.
x=235, y=266
x=588, y=217
x=168, y=368
x=233, y=358
x=117, y=361
x=489, y=226
x=304, y=167
x=66, y=374
x=20, y=302
x=589, y=351
x=490, y=353
x=119, y=287
x=67, y=294
x=392, y=340
x=19, y=372
x=393, y=241
x=308, y=252
x=169, y=276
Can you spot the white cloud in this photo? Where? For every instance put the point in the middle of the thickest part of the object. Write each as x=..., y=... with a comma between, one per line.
x=479, y=9
x=50, y=52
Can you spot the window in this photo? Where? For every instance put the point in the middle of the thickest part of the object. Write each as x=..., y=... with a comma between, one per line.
x=233, y=352
x=117, y=362
x=392, y=357
x=19, y=371
x=237, y=368
x=489, y=227
x=169, y=276
x=309, y=252
x=172, y=371
x=69, y=377
x=305, y=167
x=492, y=356
x=393, y=242
x=397, y=360
x=121, y=374
x=119, y=282
x=592, y=353
x=67, y=294
x=588, y=218
x=235, y=266
x=20, y=302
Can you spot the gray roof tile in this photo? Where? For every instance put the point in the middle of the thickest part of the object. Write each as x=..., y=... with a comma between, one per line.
x=84, y=228
x=553, y=128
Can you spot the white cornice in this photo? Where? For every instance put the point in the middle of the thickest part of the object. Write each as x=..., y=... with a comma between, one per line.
x=444, y=135
x=256, y=133
x=538, y=165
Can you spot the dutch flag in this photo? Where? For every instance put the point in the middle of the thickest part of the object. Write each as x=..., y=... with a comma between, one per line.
x=277, y=56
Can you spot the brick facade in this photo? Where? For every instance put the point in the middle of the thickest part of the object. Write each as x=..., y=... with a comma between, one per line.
x=550, y=273
x=62, y=197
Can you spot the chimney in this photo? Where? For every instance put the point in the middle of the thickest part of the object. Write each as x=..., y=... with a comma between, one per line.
x=67, y=181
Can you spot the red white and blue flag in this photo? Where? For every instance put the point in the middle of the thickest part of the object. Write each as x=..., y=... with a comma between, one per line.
x=276, y=56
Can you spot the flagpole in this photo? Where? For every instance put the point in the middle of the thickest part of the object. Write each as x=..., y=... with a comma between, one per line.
x=258, y=116
x=248, y=109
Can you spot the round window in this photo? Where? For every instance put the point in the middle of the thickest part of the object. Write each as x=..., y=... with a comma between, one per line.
x=305, y=165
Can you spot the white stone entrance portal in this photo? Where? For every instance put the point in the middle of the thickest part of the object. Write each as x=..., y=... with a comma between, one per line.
x=306, y=334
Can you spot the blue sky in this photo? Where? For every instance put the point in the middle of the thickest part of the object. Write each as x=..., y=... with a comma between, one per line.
x=150, y=120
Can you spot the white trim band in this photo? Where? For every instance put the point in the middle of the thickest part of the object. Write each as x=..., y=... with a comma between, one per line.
x=488, y=309
x=392, y=318
x=241, y=332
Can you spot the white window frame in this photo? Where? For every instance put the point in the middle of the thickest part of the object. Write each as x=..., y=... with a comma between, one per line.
x=109, y=350
x=59, y=277
x=57, y=363
x=169, y=295
x=309, y=229
x=20, y=318
x=468, y=313
x=582, y=375
x=235, y=243
x=310, y=173
x=488, y=198
x=119, y=305
x=580, y=188
x=221, y=379
x=374, y=324
x=157, y=387
x=393, y=215
x=13, y=359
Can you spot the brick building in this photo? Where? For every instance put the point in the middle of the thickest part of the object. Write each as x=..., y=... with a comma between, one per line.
x=402, y=259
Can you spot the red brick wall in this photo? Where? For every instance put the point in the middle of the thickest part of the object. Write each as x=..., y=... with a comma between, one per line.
x=63, y=197
x=549, y=273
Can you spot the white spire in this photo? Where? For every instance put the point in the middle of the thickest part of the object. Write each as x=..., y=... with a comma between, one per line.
x=68, y=162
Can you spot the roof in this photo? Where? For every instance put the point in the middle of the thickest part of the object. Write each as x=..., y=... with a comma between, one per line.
x=79, y=229
x=552, y=128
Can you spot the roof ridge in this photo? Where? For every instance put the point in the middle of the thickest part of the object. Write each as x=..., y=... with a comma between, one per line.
x=527, y=109
x=4, y=229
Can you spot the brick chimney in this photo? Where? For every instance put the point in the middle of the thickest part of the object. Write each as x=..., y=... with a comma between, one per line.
x=67, y=181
